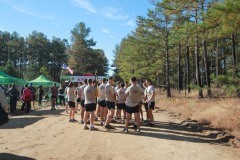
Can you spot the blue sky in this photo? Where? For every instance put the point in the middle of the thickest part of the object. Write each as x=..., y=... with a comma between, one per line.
x=109, y=20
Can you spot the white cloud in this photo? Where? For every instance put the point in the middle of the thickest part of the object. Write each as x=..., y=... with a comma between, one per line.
x=106, y=31
x=130, y=23
x=85, y=4
x=30, y=13
x=113, y=13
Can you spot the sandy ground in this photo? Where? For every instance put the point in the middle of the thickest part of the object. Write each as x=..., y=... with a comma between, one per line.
x=47, y=135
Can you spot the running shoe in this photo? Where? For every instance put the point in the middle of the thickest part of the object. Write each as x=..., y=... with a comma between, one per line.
x=135, y=127
x=125, y=130
x=85, y=128
x=93, y=129
x=107, y=127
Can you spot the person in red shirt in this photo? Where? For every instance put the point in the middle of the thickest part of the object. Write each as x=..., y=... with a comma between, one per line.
x=27, y=97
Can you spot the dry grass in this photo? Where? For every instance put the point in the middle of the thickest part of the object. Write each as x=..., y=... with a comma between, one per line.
x=221, y=113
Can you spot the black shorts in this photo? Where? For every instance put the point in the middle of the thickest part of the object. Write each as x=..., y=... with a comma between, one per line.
x=78, y=100
x=121, y=106
x=71, y=104
x=53, y=97
x=110, y=105
x=131, y=110
x=82, y=103
x=90, y=107
x=102, y=103
x=150, y=105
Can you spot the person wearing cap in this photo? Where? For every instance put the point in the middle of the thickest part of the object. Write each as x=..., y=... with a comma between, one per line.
x=40, y=95
x=14, y=96
x=133, y=94
x=54, y=92
x=110, y=102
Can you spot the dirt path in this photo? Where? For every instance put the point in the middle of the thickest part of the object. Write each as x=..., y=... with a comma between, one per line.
x=47, y=135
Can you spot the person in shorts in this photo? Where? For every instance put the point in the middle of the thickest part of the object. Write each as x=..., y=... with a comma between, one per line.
x=132, y=107
x=82, y=99
x=71, y=101
x=78, y=95
x=101, y=101
x=90, y=105
x=121, y=106
x=110, y=102
x=150, y=101
x=54, y=92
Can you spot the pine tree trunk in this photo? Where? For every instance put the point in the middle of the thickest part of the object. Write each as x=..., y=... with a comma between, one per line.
x=167, y=70
x=200, y=93
x=234, y=54
x=188, y=70
x=209, y=94
x=179, y=68
x=217, y=59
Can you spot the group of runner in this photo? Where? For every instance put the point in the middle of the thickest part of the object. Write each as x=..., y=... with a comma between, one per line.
x=100, y=99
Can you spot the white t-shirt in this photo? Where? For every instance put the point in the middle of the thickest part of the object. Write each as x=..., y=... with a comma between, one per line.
x=110, y=92
x=102, y=92
x=142, y=93
x=90, y=93
x=149, y=92
x=133, y=93
x=82, y=91
x=70, y=94
x=121, y=95
x=78, y=89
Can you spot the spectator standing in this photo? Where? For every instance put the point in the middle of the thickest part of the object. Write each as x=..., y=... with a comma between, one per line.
x=14, y=96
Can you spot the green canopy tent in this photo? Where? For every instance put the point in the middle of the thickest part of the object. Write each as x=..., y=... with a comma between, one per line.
x=7, y=79
x=44, y=81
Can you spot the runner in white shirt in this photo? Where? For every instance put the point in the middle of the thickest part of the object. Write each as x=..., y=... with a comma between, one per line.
x=110, y=102
x=118, y=86
x=145, y=99
x=133, y=93
x=71, y=101
x=101, y=101
x=78, y=95
x=82, y=96
x=90, y=104
x=140, y=100
x=66, y=107
x=121, y=101
x=150, y=100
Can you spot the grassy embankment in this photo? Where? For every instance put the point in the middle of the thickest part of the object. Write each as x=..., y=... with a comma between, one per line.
x=221, y=113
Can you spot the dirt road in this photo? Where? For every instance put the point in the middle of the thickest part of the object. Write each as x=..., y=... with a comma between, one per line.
x=47, y=135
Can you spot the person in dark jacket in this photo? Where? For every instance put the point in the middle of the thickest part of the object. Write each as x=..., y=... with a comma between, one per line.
x=40, y=95
x=14, y=96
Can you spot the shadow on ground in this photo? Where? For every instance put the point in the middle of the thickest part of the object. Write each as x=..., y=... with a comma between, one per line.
x=8, y=156
x=22, y=119
x=178, y=132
